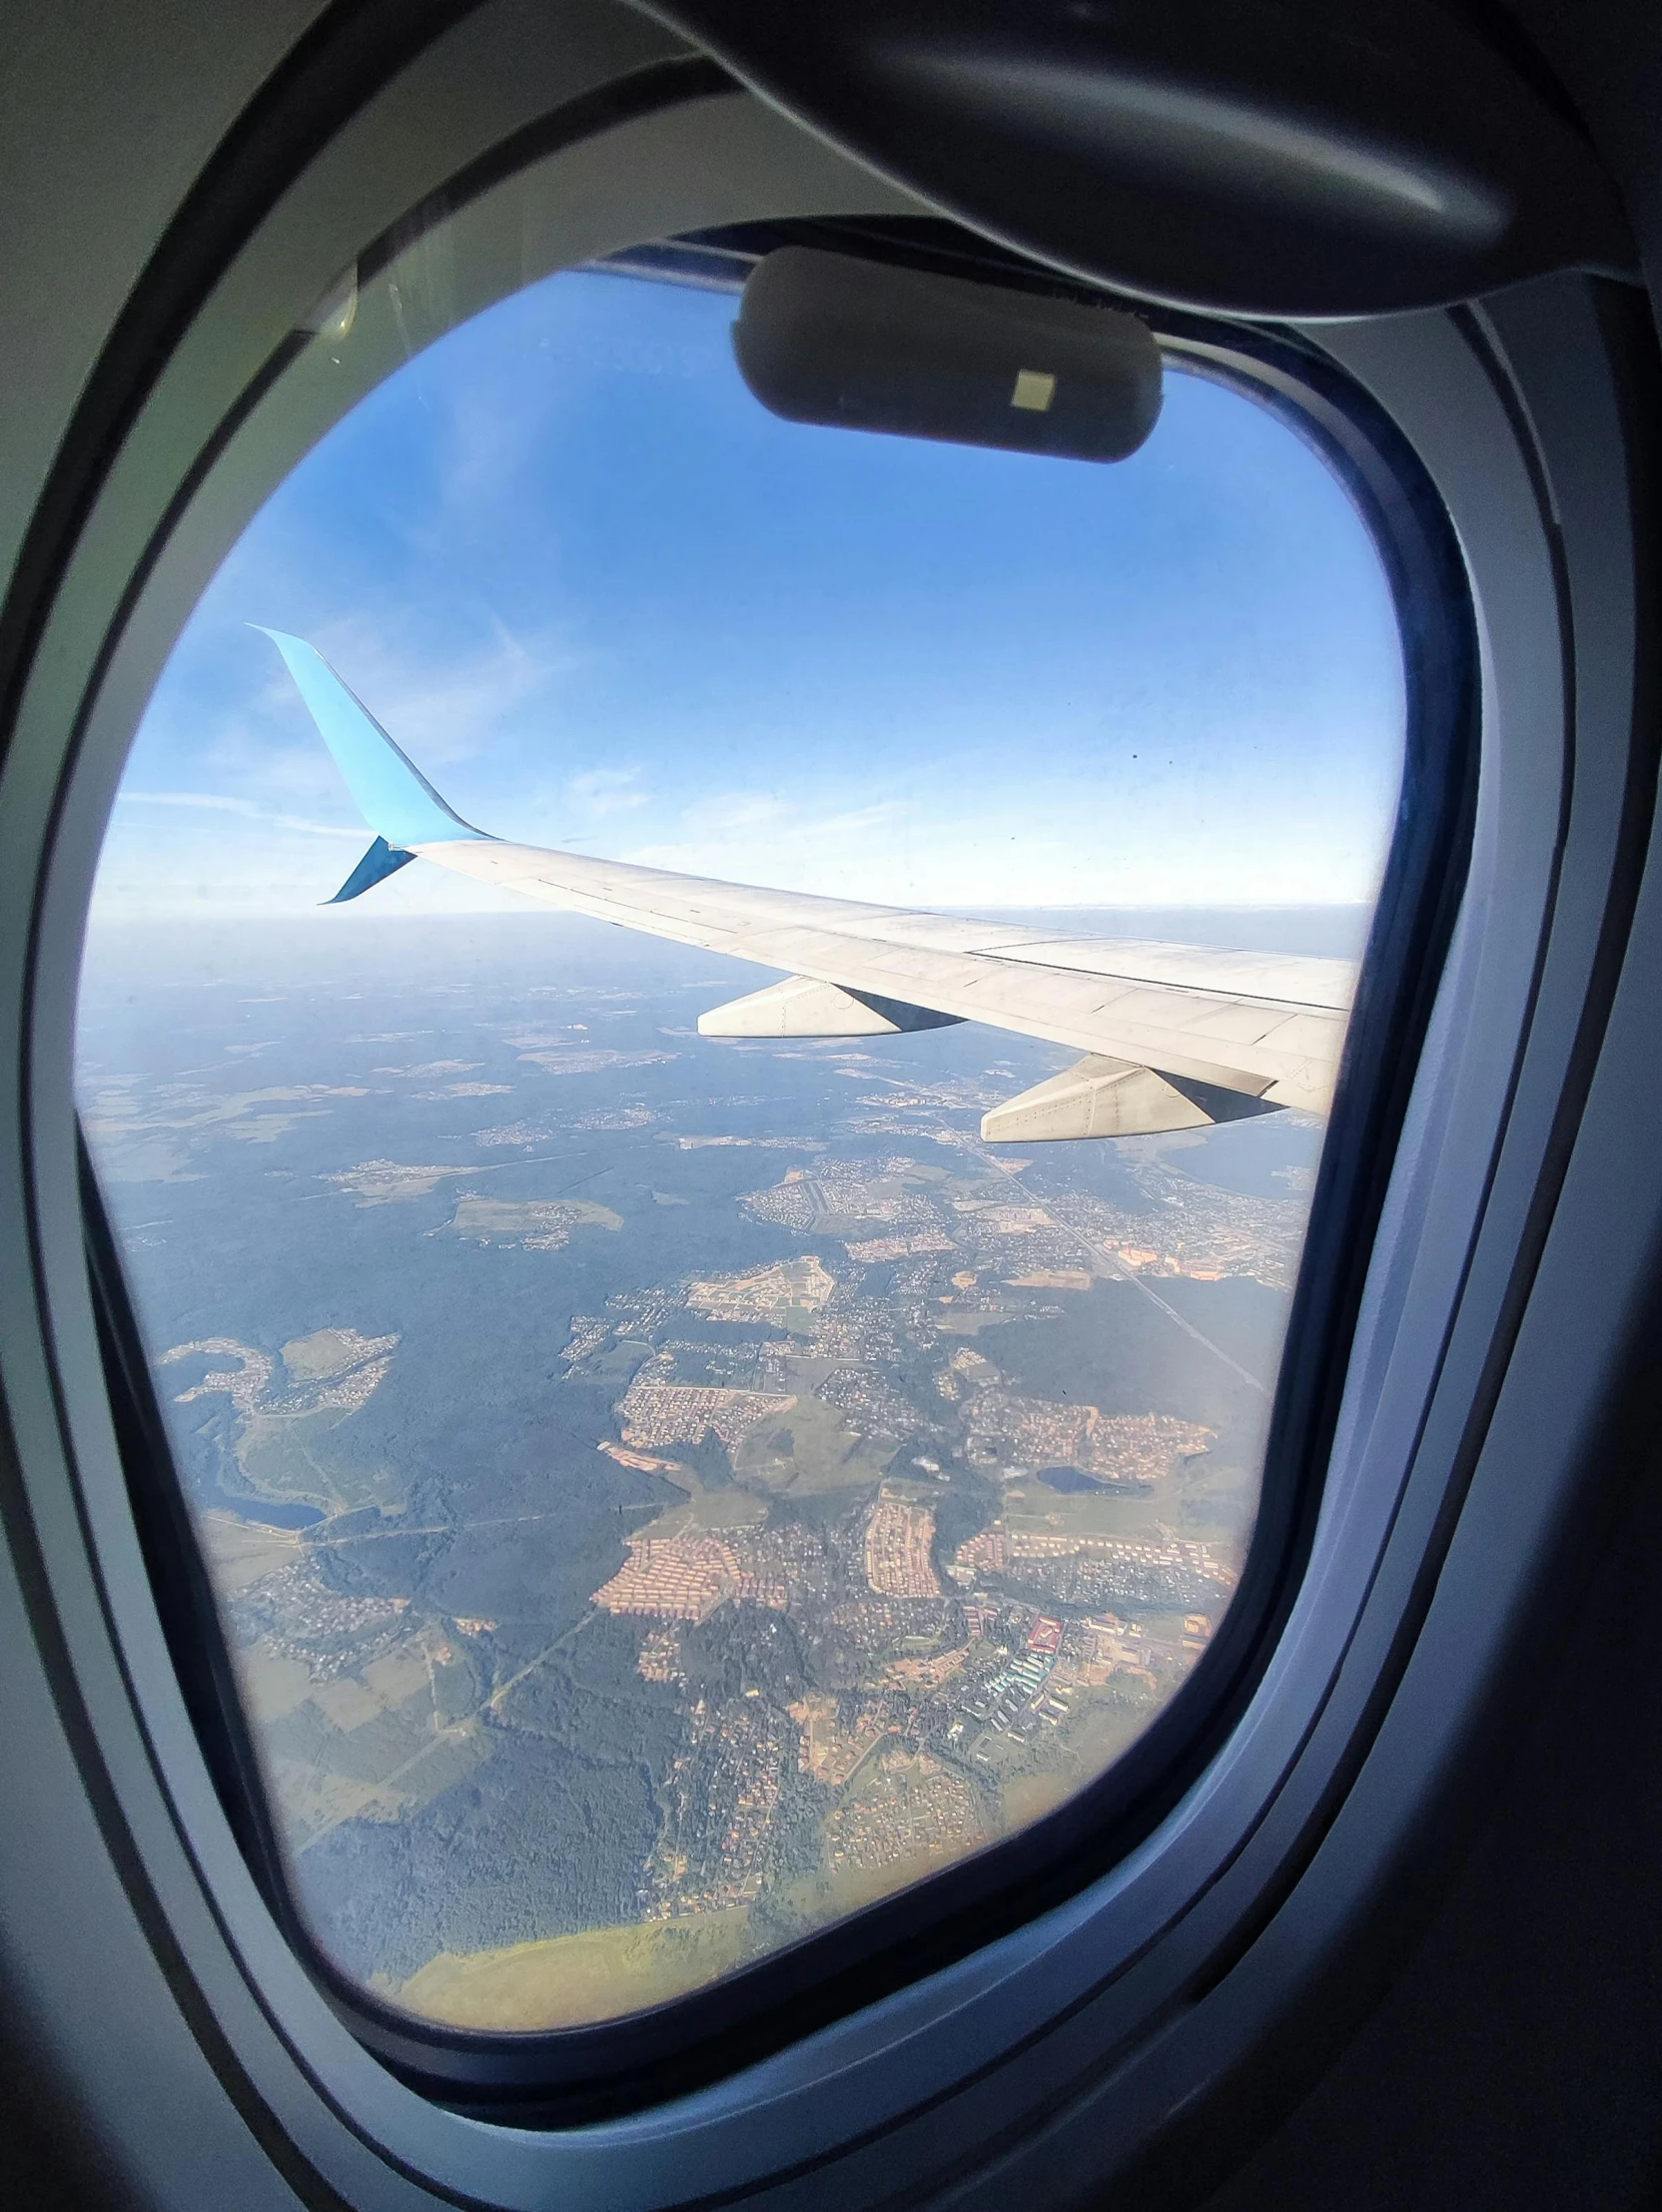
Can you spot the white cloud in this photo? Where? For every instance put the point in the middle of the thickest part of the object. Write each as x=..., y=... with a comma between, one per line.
x=733, y=813
x=851, y=825
x=216, y=802
x=446, y=709
x=601, y=791
x=987, y=857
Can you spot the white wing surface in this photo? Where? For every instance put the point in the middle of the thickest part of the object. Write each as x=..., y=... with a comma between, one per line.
x=1174, y=1036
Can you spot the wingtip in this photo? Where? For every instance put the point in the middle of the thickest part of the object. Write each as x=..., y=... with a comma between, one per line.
x=282, y=640
x=393, y=795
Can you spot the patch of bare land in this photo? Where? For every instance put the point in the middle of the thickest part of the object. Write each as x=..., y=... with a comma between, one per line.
x=242, y=1552
x=384, y=1181
x=327, y=1354
x=536, y=1224
x=759, y=1144
x=788, y=1289
x=728, y=1506
x=817, y=1451
x=569, y=1980
x=594, y=1062
x=645, y=1461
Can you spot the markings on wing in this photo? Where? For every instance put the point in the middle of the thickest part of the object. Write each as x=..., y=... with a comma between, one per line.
x=1213, y=1016
x=1260, y=1028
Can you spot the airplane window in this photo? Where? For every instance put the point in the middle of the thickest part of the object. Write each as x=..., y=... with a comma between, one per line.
x=703, y=1409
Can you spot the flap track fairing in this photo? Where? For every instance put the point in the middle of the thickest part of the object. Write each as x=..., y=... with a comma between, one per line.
x=800, y=1006
x=1099, y=1097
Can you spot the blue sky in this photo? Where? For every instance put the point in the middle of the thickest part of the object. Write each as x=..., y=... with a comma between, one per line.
x=603, y=597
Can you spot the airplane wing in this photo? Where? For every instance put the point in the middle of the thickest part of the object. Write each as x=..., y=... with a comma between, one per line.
x=1173, y=1037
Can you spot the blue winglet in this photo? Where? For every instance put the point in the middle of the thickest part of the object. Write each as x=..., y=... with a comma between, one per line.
x=393, y=795
x=380, y=862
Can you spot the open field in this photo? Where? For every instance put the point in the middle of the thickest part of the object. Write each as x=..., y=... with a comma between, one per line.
x=569, y=1980
x=728, y=1508
x=240, y=1552
x=824, y=1453
x=1032, y=1506
x=327, y=1354
x=543, y=1225
x=1052, y=1278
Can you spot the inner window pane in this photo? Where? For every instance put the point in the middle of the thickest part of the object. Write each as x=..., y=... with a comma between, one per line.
x=668, y=1491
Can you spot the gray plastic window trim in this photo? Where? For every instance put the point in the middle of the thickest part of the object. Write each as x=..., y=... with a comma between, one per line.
x=1099, y=2019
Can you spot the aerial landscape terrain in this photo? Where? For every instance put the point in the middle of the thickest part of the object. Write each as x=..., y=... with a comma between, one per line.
x=664, y=1493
